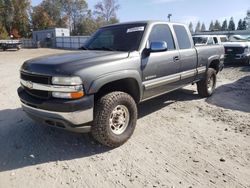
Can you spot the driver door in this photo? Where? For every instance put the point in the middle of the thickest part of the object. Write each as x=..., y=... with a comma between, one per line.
x=160, y=70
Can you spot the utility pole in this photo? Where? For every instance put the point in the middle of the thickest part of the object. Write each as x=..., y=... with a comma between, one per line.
x=169, y=17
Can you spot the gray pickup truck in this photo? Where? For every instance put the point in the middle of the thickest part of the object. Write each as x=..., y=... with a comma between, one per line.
x=97, y=89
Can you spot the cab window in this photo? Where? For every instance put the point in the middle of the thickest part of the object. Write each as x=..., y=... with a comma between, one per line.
x=162, y=32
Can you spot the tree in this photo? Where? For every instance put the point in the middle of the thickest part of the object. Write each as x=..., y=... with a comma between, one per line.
x=244, y=25
x=231, y=26
x=106, y=10
x=198, y=27
x=3, y=32
x=217, y=25
x=8, y=15
x=54, y=10
x=203, y=27
x=191, y=27
x=247, y=19
x=21, y=22
x=211, y=27
x=224, y=25
x=14, y=17
x=75, y=10
x=41, y=19
x=88, y=25
x=240, y=25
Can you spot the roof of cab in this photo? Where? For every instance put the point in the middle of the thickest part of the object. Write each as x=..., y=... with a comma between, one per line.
x=142, y=22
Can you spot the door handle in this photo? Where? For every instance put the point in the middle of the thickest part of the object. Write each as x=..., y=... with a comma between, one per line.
x=176, y=59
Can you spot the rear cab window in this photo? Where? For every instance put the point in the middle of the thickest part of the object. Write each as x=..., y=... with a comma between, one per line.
x=182, y=37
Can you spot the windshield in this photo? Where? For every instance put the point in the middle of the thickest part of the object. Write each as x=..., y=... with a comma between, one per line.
x=200, y=40
x=239, y=38
x=117, y=38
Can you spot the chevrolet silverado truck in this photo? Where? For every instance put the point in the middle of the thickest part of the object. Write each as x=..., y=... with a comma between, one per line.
x=97, y=89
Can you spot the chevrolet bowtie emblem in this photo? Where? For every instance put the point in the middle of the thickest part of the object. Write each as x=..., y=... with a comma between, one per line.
x=29, y=84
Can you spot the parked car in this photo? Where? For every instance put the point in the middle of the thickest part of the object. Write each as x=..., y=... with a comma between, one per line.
x=98, y=89
x=209, y=39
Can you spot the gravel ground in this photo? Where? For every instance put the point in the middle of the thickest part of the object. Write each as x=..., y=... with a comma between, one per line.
x=181, y=140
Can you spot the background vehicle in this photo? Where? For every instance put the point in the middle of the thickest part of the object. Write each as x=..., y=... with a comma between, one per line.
x=209, y=39
x=9, y=44
x=98, y=89
x=237, y=52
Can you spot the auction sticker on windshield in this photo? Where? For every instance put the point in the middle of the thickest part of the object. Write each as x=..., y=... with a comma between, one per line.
x=135, y=29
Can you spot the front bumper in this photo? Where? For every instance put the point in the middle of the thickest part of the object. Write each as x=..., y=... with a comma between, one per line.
x=239, y=58
x=72, y=115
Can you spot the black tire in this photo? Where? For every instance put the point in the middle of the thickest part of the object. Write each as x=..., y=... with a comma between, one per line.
x=104, y=109
x=204, y=88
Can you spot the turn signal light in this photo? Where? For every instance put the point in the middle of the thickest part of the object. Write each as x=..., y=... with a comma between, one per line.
x=77, y=95
x=73, y=95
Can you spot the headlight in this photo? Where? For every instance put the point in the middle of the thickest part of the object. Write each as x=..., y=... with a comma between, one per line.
x=67, y=81
x=73, y=95
x=247, y=50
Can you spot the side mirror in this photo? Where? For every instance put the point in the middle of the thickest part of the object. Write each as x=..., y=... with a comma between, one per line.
x=158, y=46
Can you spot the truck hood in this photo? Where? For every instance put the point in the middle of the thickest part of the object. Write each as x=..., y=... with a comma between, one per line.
x=69, y=63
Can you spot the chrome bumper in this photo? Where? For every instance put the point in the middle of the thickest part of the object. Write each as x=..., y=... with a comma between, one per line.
x=71, y=121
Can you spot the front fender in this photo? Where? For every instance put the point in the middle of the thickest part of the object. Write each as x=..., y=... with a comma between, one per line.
x=115, y=76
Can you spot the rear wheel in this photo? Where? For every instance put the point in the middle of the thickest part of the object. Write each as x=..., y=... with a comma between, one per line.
x=207, y=86
x=115, y=119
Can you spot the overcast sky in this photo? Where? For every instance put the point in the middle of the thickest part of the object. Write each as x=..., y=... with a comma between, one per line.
x=183, y=11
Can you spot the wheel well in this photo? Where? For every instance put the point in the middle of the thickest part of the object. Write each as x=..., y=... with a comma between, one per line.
x=128, y=85
x=215, y=64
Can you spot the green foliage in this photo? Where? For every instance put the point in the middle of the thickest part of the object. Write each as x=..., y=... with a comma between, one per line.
x=211, y=27
x=247, y=20
x=74, y=14
x=105, y=11
x=244, y=25
x=3, y=32
x=75, y=10
x=224, y=26
x=191, y=27
x=14, y=17
x=198, y=27
x=203, y=27
x=217, y=26
x=240, y=25
x=41, y=19
x=231, y=26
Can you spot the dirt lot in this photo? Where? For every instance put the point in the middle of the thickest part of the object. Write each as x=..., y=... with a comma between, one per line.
x=181, y=140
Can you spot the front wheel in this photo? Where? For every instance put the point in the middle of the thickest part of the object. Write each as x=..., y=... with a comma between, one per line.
x=207, y=86
x=115, y=119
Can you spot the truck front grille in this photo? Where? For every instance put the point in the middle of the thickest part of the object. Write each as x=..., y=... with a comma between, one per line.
x=234, y=50
x=36, y=79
